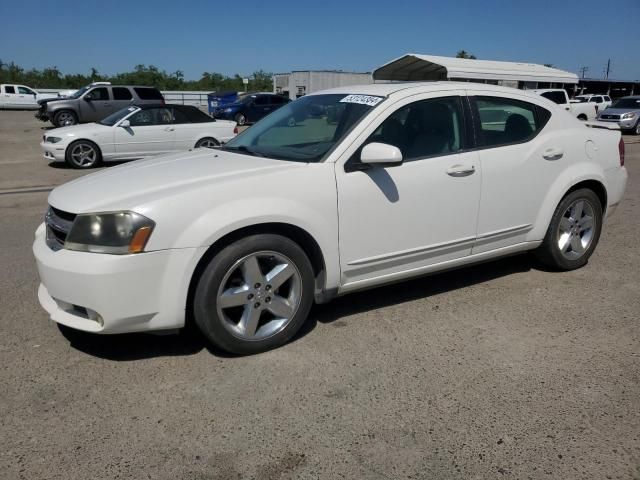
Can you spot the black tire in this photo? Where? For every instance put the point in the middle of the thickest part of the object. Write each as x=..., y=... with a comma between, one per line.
x=74, y=163
x=549, y=252
x=636, y=129
x=205, y=308
x=582, y=117
x=203, y=141
x=240, y=119
x=65, y=118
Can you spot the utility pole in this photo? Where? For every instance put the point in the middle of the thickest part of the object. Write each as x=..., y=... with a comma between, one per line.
x=606, y=76
x=583, y=70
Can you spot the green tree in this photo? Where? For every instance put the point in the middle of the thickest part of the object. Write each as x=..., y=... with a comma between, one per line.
x=465, y=54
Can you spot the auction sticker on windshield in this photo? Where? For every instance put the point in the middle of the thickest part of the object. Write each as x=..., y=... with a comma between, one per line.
x=370, y=100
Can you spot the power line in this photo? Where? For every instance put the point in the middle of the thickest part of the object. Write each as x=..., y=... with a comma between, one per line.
x=583, y=70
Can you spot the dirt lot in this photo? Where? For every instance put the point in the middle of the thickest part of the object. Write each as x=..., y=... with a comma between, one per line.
x=496, y=371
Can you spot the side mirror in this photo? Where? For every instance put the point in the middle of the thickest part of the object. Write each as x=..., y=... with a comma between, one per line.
x=125, y=124
x=87, y=98
x=381, y=154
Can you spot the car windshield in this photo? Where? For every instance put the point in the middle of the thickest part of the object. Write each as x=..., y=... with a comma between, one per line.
x=114, y=118
x=79, y=93
x=627, y=103
x=304, y=130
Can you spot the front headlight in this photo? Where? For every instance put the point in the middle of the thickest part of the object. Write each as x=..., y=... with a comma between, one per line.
x=54, y=139
x=628, y=116
x=117, y=233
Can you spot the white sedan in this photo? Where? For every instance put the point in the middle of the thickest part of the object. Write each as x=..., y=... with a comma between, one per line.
x=136, y=132
x=339, y=191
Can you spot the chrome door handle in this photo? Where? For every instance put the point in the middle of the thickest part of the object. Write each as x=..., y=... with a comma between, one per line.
x=552, y=154
x=461, y=170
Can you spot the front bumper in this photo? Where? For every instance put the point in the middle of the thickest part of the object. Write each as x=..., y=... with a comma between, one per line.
x=42, y=115
x=53, y=152
x=626, y=124
x=102, y=293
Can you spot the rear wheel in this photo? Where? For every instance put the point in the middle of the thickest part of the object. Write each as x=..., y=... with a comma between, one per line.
x=83, y=154
x=574, y=231
x=207, y=143
x=64, y=118
x=637, y=129
x=582, y=117
x=255, y=294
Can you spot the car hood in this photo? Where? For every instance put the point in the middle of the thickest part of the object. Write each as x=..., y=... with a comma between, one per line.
x=44, y=101
x=82, y=130
x=618, y=111
x=138, y=183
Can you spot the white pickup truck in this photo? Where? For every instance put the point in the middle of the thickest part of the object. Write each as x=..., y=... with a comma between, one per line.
x=21, y=97
x=581, y=110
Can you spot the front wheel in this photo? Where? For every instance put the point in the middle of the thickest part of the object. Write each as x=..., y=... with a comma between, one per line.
x=65, y=118
x=207, y=143
x=255, y=294
x=83, y=154
x=637, y=129
x=574, y=231
x=582, y=117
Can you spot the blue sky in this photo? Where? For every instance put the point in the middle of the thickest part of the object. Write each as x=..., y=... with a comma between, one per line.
x=240, y=37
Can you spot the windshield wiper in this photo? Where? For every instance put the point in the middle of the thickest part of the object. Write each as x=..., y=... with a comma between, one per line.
x=244, y=149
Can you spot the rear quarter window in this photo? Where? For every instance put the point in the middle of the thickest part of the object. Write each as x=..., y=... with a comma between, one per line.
x=121, y=93
x=196, y=116
x=148, y=93
x=556, y=97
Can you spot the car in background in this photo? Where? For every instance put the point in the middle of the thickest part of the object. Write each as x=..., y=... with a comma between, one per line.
x=601, y=101
x=407, y=179
x=625, y=112
x=14, y=96
x=138, y=131
x=251, y=107
x=94, y=102
x=580, y=110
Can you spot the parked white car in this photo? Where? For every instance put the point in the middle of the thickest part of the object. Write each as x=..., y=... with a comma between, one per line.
x=14, y=96
x=369, y=185
x=600, y=101
x=136, y=132
x=581, y=110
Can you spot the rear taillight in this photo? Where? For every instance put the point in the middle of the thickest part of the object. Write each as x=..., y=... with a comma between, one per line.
x=235, y=130
x=621, y=152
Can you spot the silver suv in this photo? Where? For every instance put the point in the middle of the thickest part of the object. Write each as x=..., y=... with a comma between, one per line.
x=95, y=102
x=625, y=112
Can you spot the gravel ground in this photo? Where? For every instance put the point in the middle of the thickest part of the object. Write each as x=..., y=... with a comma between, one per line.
x=496, y=371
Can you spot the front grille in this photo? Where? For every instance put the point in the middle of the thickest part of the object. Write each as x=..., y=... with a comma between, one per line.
x=610, y=117
x=58, y=226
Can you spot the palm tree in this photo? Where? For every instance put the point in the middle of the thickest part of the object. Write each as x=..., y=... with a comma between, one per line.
x=465, y=54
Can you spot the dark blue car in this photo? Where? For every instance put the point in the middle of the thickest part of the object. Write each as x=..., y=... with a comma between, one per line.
x=251, y=107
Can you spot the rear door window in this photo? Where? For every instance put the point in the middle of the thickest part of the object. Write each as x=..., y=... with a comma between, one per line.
x=148, y=93
x=121, y=93
x=261, y=101
x=9, y=89
x=505, y=121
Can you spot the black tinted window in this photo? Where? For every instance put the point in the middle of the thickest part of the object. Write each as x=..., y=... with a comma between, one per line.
x=148, y=93
x=505, y=121
x=196, y=116
x=9, y=89
x=262, y=101
x=424, y=129
x=556, y=97
x=99, y=94
x=121, y=93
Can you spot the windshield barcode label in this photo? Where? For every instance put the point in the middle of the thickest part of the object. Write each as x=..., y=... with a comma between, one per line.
x=362, y=99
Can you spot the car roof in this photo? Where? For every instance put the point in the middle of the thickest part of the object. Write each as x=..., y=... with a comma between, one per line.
x=408, y=88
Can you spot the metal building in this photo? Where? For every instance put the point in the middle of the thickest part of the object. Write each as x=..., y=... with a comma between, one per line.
x=301, y=82
x=416, y=67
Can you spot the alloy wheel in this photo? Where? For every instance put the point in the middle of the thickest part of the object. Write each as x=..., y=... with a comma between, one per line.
x=259, y=295
x=65, y=119
x=207, y=143
x=576, y=229
x=83, y=155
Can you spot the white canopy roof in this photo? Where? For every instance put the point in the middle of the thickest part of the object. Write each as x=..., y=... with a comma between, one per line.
x=412, y=67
